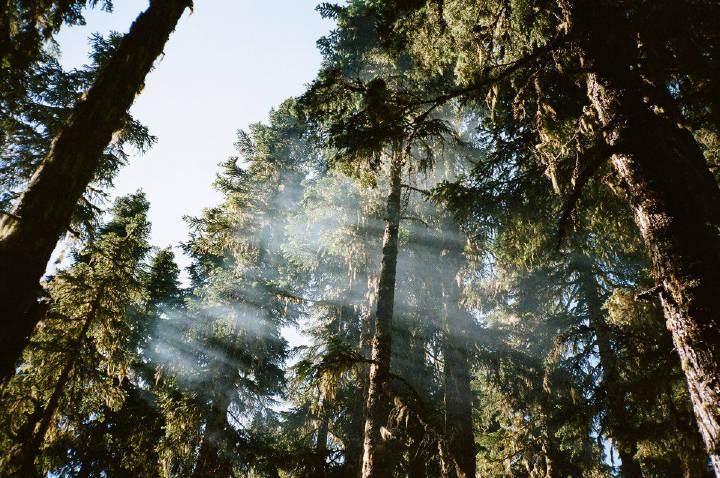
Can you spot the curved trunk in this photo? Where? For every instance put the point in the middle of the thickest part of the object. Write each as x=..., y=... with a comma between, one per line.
x=674, y=199
x=675, y=202
x=29, y=235
x=374, y=459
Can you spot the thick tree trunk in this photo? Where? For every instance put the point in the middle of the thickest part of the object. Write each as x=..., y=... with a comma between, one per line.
x=28, y=237
x=374, y=459
x=212, y=459
x=456, y=374
x=620, y=426
x=674, y=198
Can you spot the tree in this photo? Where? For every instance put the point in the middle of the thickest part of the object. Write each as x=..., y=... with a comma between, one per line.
x=374, y=463
x=42, y=214
x=94, y=295
x=24, y=28
x=36, y=118
x=547, y=76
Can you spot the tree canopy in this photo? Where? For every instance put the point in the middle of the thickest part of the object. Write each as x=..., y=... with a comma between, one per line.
x=483, y=242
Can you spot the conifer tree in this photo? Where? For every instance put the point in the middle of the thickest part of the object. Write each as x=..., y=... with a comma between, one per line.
x=591, y=85
x=29, y=234
x=94, y=295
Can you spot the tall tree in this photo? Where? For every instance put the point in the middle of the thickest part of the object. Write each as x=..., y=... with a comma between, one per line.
x=29, y=234
x=375, y=461
x=95, y=296
x=547, y=75
x=457, y=367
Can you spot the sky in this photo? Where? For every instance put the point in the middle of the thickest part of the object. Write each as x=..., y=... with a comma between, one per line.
x=227, y=64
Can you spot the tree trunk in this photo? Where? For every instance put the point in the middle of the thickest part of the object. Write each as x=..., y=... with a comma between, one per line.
x=620, y=426
x=673, y=195
x=321, y=449
x=675, y=202
x=374, y=459
x=456, y=374
x=212, y=459
x=30, y=450
x=353, y=446
x=28, y=237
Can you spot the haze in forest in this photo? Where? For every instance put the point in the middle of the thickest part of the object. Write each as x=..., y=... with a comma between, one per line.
x=371, y=239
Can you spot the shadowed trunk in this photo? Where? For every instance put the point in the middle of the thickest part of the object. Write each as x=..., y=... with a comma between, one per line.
x=675, y=201
x=29, y=235
x=353, y=447
x=620, y=425
x=418, y=459
x=456, y=372
x=672, y=194
x=375, y=460
x=321, y=448
x=212, y=459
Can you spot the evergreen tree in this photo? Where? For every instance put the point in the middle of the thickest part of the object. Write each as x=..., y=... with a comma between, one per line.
x=43, y=212
x=590, y=96
x=84, y=336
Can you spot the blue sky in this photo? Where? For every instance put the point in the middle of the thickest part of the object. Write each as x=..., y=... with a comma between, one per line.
x=227, y=64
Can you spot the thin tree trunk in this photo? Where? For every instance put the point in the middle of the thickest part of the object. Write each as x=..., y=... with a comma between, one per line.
x=30, y=450
x=353, y=447
x=417, y=457
x=675, y=201
x=456, y=375
x=374, y=459
x=28, y=237
x=620, y=429
x=411, y=351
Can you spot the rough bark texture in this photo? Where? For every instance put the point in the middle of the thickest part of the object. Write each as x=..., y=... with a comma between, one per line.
x=619, y=424
x=456, y=374
x=374, y=460
x=28, y=237
x=674, y=198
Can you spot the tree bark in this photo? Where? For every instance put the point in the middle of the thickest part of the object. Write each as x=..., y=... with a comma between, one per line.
x=28, y=237
x=669, y=186
x=673, y=195
x=456, y=373
x=212, y=460
x=620, y=426
x=674, y=198
x=374, y=458
x=321, y=449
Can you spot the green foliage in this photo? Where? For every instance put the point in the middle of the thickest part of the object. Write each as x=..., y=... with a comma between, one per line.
x=520, y=272
x=32, y=121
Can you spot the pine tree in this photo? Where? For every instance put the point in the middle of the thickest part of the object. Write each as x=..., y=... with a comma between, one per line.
x=93, y=296
x=42, y=214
